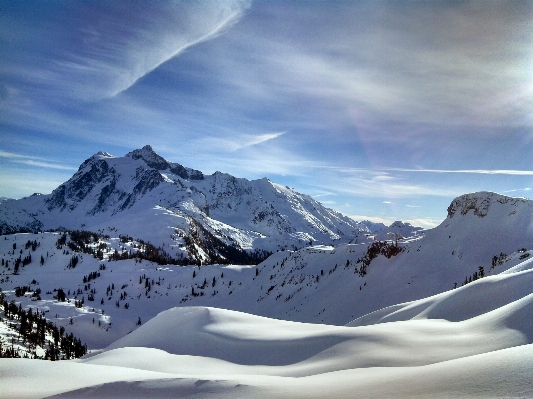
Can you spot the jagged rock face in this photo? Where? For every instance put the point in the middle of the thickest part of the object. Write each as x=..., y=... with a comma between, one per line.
x=91, y=173
x=155, y=161
x=480, y=203
x=96, y=183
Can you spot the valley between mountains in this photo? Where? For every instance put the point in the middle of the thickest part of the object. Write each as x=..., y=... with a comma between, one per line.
x=156, y=280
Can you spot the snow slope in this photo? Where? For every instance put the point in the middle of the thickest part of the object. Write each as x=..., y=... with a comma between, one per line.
x=442, y=350
x=317, y=284
x=404, y=329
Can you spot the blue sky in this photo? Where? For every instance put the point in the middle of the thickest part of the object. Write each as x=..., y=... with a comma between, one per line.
x=382, y=110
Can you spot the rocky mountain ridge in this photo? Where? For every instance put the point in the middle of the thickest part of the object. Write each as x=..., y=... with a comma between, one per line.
x=191, y=214
x=480, y=203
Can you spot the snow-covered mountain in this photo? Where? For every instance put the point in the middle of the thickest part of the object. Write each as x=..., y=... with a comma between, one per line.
x=202, y=217
x=327, y=284
x=434, y=315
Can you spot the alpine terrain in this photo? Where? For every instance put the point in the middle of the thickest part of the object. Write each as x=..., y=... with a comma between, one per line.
x=197, y=217
x=150, y=279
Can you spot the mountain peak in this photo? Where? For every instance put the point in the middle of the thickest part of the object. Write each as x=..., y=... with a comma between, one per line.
x=157, y=162
x=479, y=202
x=218, y=211
x=150, y=157
x=148, y=154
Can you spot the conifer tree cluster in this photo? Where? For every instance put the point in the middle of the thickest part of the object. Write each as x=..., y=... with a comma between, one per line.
x=32, y=244
x=90, y=243
x=21, y=261
x=147, y=251
x=498, y=260
x=73, y=262
x=475, y=276
x=35, y=331
x=81, y=240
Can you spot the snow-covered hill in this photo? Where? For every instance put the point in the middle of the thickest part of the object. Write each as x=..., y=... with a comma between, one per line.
x=326, y=284
x=461, y=343
x=202, y=217
x=444, y=314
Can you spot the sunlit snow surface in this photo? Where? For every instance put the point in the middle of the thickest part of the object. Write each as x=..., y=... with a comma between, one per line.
x=400, y=331
x=210, y=352
x=474, y=341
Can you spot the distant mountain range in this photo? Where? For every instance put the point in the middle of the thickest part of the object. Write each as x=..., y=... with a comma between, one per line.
x=195, y=217
x=453, y=304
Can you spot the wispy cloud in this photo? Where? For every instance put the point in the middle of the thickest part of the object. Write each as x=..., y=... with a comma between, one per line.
x=204, y=22
x=324, y=194
x=12, y=155
x=41, y=164
x=104, y=50
x=237, y=142
x=468, y=171
x=366, y=188
x=33, y=161
x=526, y=189
x=261, y=139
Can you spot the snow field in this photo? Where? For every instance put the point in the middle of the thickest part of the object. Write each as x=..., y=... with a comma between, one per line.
x=414, y=329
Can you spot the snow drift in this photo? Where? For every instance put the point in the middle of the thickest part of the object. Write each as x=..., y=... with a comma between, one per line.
x=435, y=347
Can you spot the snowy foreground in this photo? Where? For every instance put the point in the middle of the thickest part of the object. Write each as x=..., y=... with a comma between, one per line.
x=474, y=341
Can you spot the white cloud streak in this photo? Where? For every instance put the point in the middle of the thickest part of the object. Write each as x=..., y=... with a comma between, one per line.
x=48, y=165
x=526, y=189
x=33, y=161
x=108, y=48
x=468, y=171
x=261, y=139
x=210, y=23
x=12, y=155
x=236, y=143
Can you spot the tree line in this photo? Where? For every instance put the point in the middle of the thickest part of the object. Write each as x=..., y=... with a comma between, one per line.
x=35, y=331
